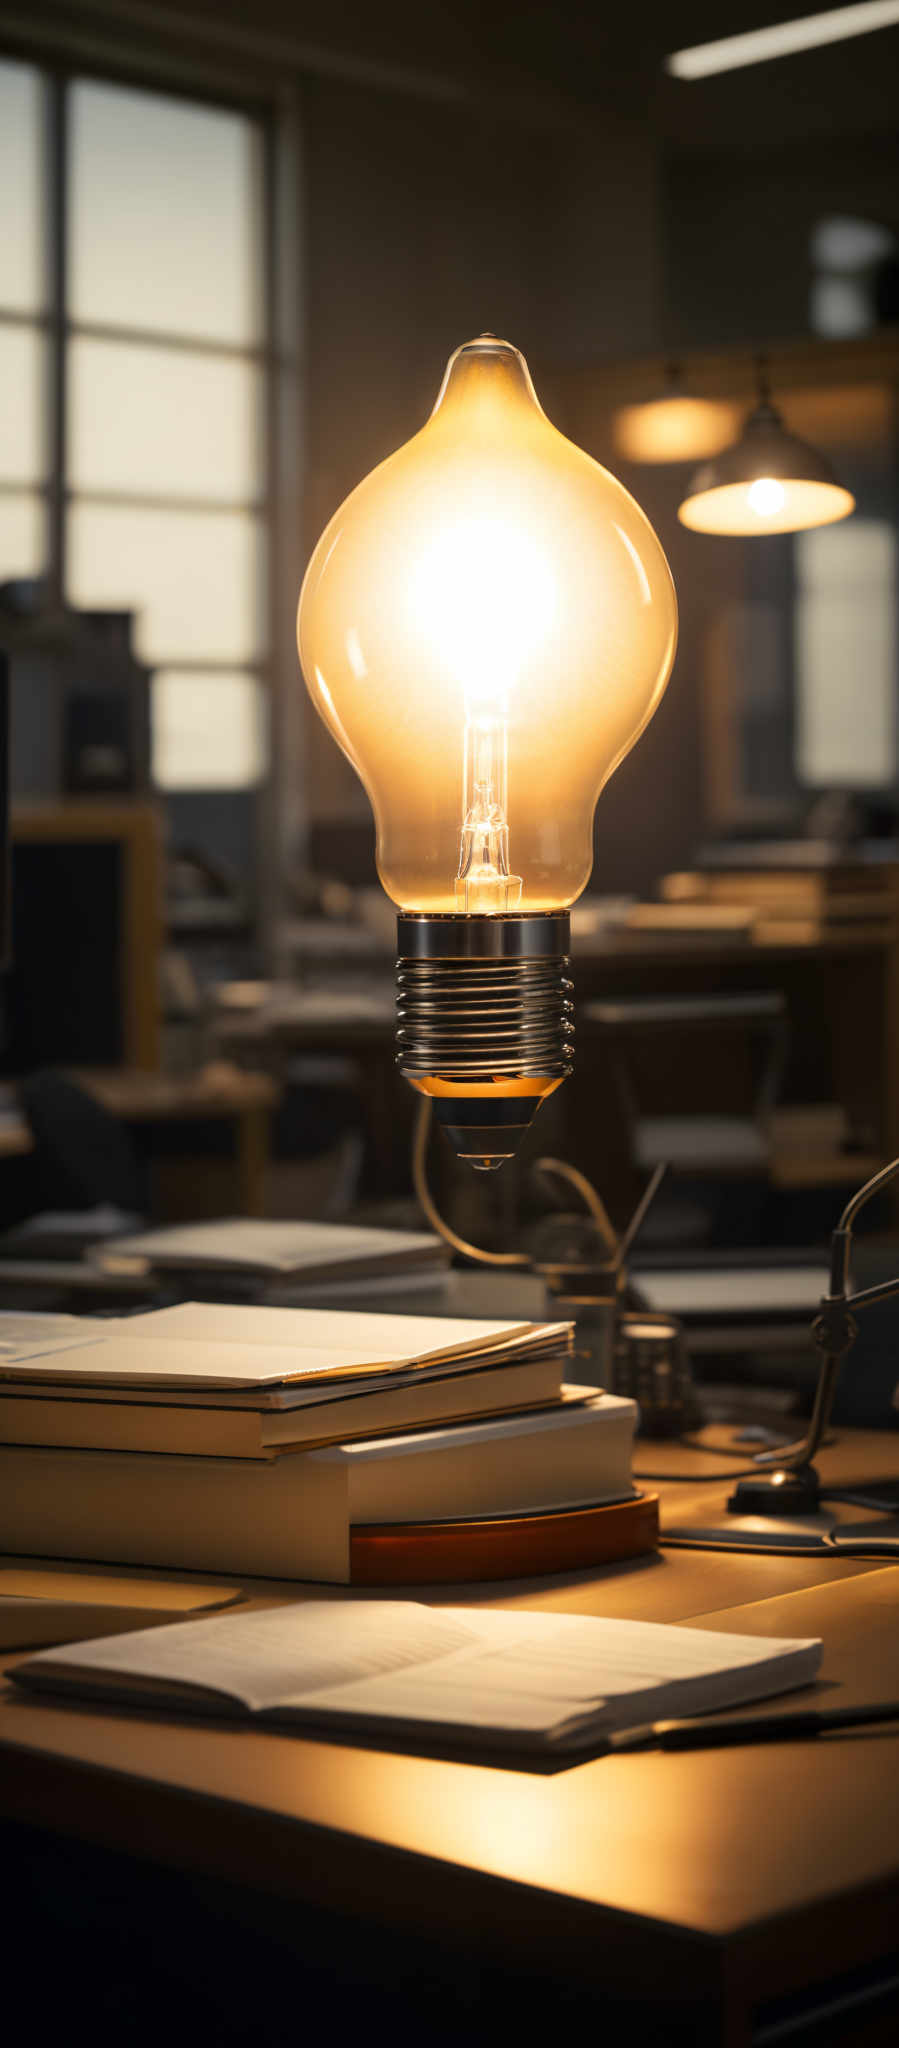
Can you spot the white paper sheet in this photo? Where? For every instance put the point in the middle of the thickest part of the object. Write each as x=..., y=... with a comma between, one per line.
x=313, y=1329
x=134, y=1353
x=736, y=1292
x=24, y=1335
x=285, y=1651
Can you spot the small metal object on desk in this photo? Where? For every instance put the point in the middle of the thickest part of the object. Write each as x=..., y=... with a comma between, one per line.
x=650, y=1365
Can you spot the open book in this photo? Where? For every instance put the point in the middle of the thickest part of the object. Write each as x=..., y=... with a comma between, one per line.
x=527, y=1681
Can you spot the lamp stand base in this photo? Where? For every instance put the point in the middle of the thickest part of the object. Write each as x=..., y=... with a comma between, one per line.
x=777, y=1493
x=485, y=1022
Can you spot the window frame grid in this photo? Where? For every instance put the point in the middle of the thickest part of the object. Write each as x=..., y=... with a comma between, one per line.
x=55, y=324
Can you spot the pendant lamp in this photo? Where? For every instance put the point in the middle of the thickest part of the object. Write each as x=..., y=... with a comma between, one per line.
x=676, y=426
x=767, y=482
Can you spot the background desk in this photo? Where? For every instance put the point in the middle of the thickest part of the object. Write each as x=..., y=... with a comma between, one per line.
x=842, y=997
x=233, y=1105
x=685, y=1897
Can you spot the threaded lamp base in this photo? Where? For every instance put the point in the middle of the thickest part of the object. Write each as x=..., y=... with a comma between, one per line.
x=485, y=1023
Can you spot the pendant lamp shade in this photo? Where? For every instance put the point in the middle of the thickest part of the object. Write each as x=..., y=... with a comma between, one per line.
x=768, y=482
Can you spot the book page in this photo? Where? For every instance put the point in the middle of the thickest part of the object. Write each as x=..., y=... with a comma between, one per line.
x=585, y=1656
x=282, y=1653
x=130, y=1360
x=25, y=1335
x=365, y=1334
x=420, y=1696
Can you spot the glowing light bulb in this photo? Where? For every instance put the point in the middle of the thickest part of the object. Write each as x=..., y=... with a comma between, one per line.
x=766, y=496
x=486, y=626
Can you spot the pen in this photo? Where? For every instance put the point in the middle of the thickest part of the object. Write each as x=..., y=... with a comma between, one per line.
x=705, y=1733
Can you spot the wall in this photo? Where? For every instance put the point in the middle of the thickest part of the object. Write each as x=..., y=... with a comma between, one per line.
x=427, y=223
x=738, y=226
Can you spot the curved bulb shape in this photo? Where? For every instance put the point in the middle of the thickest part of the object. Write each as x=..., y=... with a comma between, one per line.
x=486, y=626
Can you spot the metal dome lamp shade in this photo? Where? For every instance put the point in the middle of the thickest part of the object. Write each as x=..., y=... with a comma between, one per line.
x=768, y=482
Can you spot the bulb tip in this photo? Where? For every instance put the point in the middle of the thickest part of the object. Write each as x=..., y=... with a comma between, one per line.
x=488, y=343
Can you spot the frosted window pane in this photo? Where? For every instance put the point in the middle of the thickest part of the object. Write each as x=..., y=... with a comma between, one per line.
x=23, y=530
x=841, y=306
x=859, y=556
x=842, y=243
x=846, y=636
x=156, y=421
x=21, y=405
x=164, y=228
x=193, y=578
x=21, y=242
x=208, y=732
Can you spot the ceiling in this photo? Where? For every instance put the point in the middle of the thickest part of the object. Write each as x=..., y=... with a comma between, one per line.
x=560, y=61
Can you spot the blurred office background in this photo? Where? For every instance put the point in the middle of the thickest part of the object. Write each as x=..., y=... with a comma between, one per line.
x=237, y=247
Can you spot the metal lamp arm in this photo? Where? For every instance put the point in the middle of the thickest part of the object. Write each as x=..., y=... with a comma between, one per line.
x=834, y=1327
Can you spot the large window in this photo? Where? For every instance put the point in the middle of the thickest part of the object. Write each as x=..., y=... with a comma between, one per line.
x=133, y=367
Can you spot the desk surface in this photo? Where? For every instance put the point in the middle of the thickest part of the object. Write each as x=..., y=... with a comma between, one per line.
x=140, y=1096
x=721, y=1866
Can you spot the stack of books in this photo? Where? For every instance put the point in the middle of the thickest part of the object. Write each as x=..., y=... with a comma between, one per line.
x=285, y=1259
x=787, y=905
x=313, y=1444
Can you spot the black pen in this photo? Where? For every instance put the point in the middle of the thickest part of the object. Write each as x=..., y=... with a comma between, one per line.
x=707, y=1733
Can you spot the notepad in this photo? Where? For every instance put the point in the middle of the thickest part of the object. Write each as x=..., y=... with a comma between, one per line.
x=277, y=1250
x=500, y=1678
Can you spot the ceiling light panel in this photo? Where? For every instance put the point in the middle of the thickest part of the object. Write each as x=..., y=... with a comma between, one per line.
x=783, y=39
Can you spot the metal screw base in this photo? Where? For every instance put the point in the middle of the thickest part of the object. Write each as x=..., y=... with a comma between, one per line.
x=485, y=1023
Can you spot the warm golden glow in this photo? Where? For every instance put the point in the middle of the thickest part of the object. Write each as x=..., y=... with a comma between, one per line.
x=675, y=429
x=766, y=496
x=766, y=505
x=499, y=1085
x=486, y=626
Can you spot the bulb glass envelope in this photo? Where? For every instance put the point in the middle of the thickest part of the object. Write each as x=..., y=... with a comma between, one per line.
x=486, y=626
x=768, y=482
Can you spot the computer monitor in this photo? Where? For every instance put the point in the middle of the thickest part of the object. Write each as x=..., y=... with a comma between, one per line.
x=4, y=811
x=85, y=929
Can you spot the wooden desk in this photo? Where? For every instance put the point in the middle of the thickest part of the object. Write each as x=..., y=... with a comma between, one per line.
x=842, y=995
x=273, y=1023
x=683, y=1896
x=220, y=1094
